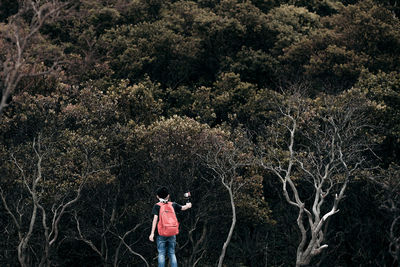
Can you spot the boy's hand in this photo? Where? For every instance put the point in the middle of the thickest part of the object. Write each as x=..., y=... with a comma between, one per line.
x=187, y=206
x=151, y=237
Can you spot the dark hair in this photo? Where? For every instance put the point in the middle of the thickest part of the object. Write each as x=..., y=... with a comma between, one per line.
x=162, y=192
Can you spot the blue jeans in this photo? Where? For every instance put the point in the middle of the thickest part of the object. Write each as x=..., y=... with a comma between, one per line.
x=164, y=243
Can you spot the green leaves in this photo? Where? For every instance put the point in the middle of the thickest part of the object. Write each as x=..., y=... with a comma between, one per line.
x=383, y=90
x=137, y=102
x=291, y=24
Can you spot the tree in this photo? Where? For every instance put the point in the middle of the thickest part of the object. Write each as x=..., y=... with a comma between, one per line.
x=44, y=193
x=139, y=103
x=224, y=102
x=383, y=89
x=167, y=152
x=256, y=33
x=105, y=224
x=389, y=199
x=291, y=24
x=319, y=142
x=392, y=203
x=363, y=35
x=25, y=52
x=150, y=48
x=227, y=159
x=52, y=153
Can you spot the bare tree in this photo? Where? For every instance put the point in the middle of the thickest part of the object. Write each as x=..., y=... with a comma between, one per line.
x=389, y=181
x=107, y=250
x=17, y=38
x=198, y=242
x=32, y=183
x=104, y=254
x=394, y=246
x=320, y=143
x=37, y=213
x=226, y=160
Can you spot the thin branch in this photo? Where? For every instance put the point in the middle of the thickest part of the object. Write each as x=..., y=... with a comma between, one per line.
x=129, y=248
x=10, y=213
x=82, y=238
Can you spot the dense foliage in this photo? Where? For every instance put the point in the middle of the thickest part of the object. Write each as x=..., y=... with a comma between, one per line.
x=105, y=100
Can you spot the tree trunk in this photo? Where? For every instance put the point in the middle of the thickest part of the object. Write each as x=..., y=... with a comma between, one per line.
x=228, y=239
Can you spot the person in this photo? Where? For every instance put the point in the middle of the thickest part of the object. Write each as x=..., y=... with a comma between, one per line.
x=165, y=243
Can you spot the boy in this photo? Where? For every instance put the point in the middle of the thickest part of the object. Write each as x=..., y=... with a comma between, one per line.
x=165, y=242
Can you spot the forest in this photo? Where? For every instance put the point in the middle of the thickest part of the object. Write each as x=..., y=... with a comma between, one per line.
x=281, y=117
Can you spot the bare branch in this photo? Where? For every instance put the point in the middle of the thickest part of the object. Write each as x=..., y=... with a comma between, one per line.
x=57, y=217
x=17, y=224
x=16, y=65
x=122, y=240
x=82, y=238
x=322, y=159
x=225, y=160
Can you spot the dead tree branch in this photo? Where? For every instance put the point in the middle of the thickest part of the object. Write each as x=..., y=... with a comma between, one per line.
x=328, y=157
x=18, y=38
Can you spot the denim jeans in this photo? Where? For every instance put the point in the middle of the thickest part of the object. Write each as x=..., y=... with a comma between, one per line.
x=166, y=244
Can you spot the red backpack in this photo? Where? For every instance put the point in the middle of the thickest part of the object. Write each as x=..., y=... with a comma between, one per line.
x=168, y=225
